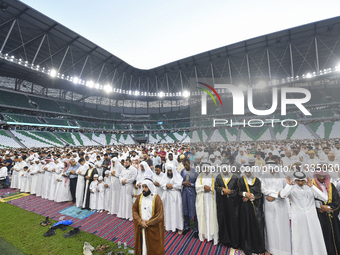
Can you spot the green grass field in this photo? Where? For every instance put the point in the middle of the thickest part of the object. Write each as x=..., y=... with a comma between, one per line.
x=21, y=230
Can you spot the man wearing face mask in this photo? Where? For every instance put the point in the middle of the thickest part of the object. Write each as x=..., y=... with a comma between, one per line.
x=126, y=178
x=148, y=218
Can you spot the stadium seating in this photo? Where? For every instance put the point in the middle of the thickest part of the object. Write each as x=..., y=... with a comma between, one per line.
x=48, y=136
x=46, y=104
x=32, y=141
x=87, y=124
x=22, y=118
x=72, y=108
x=14, y=99
x=58, y=122
x=7, y=141
x=255, y=134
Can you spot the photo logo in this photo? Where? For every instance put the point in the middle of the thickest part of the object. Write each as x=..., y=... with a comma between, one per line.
x=238, y=99
x=209, y=93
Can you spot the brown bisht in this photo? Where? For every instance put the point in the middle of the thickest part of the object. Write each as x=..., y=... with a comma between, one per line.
x=154, y=234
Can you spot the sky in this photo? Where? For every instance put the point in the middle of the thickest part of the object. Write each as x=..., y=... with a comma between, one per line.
x=150, y=33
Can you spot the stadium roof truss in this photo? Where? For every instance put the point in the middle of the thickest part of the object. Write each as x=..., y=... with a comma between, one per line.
x=42, y=45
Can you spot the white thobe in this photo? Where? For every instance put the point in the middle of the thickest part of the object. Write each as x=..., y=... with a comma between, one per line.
x=81, y=171
x=307, y=237
x=53, y=184
x=45, y=188
x=115, y=187
x=107, y=195
x=29, y=180
x=34, y=177
x=125, y=199
x=206, y=208
x=98, y=165
x=100, y=196
x=63, y=192
x=172, y=202
x=158, y=178
x=146, y=214
x=15, y=176
x=93, y=195
x=24, y=175
x=41, y=177
x=277, y=226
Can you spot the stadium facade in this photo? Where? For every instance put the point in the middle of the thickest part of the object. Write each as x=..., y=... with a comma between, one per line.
x=63, y=89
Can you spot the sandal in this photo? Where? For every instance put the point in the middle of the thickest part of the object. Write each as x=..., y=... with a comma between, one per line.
x=50, y=232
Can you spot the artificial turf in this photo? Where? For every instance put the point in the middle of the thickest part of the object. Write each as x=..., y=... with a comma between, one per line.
x=22, y=230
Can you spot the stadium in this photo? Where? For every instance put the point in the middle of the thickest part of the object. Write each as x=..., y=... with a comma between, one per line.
x=60, y=90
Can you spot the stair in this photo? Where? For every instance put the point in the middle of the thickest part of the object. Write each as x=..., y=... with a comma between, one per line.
x=8, y=132
x=272, y=133
x=60, y=139
x=238, y=135
x=311, y=131
x=210, y=135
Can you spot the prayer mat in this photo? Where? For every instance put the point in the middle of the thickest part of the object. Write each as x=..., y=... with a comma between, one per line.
x=10, y=197
x=76, y=212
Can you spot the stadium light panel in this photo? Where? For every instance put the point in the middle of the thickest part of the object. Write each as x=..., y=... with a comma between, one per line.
x=309, y=76
x=161, y=94
x=75, y=80
x=108, y=88
x=186, y=93
x=89, y=84
x=53, y=73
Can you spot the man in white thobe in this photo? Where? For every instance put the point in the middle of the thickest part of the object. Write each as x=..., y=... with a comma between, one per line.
x=81, y=171
x=126, y=178
x=307, y=237
x=144, y=172
x=277, y=225
x=171, y=184
x=206, y=205
x=116, y=169
x=157, y=177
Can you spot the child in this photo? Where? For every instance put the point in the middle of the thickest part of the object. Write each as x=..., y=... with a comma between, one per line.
x=100, y=194
x=24, y=179
x=107, y=191
x=93, y=189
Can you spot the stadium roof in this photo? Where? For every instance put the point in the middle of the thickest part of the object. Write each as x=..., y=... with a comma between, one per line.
x=31, y=36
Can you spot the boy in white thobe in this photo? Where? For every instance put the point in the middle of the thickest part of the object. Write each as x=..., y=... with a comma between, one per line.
x=100, y=194
x=93, y=193
x=24, y=179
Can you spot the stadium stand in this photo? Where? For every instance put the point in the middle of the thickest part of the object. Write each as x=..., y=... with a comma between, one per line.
x=7, y=141
x=14, y=99
x=46, y=104
x=22, y=118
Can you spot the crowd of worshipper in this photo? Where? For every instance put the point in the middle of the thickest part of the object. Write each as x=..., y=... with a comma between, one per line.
x=273, y=197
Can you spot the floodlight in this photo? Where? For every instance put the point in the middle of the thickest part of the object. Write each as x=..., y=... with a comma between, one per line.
x=75, y=80
x=161, y=94
x=108, y=88
x=186, y=93
x=53, y=73
x=309, y=76
x=90, y=84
